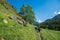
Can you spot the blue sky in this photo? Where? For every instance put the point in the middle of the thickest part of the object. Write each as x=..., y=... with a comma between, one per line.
x=43, y=9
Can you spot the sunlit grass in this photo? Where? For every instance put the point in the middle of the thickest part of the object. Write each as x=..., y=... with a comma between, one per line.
x=13, y=30
x=50, y=34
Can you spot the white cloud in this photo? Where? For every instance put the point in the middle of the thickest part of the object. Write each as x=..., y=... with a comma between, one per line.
x=39, y=21
x=56, y=12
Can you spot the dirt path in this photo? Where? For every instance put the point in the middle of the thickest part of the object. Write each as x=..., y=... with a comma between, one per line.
x=39, y=36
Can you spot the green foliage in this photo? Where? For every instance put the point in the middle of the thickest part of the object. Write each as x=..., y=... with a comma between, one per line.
x=50, y=34
x=27, y=13
x=13, y=30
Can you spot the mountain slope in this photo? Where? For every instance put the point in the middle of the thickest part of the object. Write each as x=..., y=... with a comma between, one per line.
x=10, y=29
x=53, y=23
x=55, y=19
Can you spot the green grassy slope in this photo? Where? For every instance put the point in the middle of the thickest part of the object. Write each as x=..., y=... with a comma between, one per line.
x=50, y=34
x=13, y=30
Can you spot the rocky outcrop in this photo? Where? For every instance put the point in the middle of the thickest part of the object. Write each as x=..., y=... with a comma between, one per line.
x=18, y=20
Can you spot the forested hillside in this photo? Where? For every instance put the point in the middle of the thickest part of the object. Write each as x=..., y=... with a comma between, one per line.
x=53, y=23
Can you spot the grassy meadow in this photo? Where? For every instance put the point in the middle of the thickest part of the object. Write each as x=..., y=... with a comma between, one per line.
x=50, y=34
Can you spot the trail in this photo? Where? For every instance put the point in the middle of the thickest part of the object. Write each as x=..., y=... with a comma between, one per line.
x=38, y=32
x=39, y=36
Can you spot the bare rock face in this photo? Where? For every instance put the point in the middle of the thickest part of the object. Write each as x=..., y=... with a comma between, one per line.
x=5, y=21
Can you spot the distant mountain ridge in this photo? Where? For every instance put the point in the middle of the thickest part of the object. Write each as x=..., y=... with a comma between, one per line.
x=53, y=23
x=57, y=17
x=54, y=19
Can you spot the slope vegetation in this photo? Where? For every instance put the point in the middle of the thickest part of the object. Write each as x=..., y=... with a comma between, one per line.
x=11, y=30
x=50, y=34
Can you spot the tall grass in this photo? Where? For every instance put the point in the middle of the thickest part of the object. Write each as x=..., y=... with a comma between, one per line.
x=50, y=34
